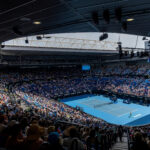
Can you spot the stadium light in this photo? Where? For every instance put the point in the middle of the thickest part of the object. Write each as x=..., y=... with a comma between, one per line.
x=26, y=41
x=36, y=22
x=130, y=19
x=103, y=37
x=38, y=37
x=2, y=46
x=144, y=38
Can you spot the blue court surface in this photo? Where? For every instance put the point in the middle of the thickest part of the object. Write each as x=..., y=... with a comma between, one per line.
x=115, y=113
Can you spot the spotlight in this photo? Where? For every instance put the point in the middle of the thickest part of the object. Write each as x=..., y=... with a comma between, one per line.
x=130, y=19
x=103, y=37
x=26, y=41
x=2, y=45
x=118, y=13
x=38, y=37
x=144, y=38
x=36, y=22
x=106, y=15
x=95, y=17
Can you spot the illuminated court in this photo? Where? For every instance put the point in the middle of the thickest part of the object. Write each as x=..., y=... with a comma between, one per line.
x=116, y=113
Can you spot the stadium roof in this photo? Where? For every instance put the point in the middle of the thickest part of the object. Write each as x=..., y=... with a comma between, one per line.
x=20, y=18
x=77, y=41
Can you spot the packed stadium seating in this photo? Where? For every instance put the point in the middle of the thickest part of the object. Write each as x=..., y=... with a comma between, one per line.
x=31, y=118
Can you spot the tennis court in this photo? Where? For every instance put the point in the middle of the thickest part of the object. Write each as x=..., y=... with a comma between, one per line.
x=116, y=113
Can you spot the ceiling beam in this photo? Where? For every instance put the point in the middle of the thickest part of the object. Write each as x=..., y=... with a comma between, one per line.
x=77, y=13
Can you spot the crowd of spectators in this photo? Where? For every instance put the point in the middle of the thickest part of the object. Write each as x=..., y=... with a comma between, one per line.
x=132, y=80
x=139, y=138
x=26, y=126
x=40, y=123
x=127, y=79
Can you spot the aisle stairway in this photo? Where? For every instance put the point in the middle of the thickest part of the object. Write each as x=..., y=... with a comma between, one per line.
x=121, y=145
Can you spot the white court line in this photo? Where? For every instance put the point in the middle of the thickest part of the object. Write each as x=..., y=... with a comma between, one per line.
x=137, y=115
